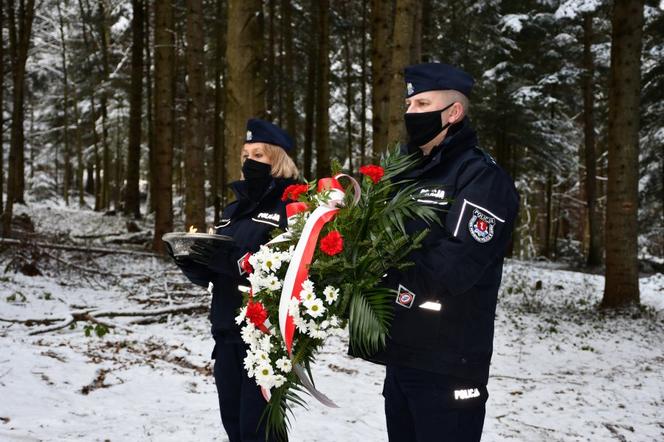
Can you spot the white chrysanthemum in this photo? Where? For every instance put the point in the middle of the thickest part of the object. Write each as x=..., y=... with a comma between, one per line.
x=278, y=381
x=264, y=375
x=300, y=323
x=334, y=321
x=261, y=357
x=249, y=334
x=331, y=294
x=284, y=365
x=315, y=308
x=308, y=286
x=272, y=283
x=318, y=334
x=294, y=308
x=257, y=281
x=307, y=297
x=325, y=325
x=271, y=262
x=240, y=317
x=265, y=343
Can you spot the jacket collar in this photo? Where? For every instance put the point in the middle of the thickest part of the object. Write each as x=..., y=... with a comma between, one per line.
x=459, y=138
x=276, y=187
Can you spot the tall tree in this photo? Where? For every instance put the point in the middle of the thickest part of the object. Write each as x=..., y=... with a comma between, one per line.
x=163, y=97
x=218, y=171
x=194, y=147
x=2, y=104
x=104, y=39
x=348, y=73
x=245, y=88
x=323, y=91
x=19, y=43
x=289, y=62
x=132, y=204
x=363, y=84
x=622, y=276
x=594, y=246
x=402, y=40
x=65, y=106
x=381, y=34
x=149, y=109
x=310, y=95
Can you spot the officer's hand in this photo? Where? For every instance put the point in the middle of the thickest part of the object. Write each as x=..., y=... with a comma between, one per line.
x=201, y=252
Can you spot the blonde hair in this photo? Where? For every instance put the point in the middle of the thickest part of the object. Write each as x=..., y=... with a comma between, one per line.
x=283, y=165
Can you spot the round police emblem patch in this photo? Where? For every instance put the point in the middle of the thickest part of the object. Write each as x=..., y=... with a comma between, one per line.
x=481, y=226
x=249, y=135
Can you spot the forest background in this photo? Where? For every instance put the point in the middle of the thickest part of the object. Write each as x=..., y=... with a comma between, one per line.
x=138, y=108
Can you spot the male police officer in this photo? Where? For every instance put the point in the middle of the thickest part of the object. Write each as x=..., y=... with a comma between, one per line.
x=440, y=342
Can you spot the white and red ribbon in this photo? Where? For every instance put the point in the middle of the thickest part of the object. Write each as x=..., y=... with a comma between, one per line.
x=298, y=270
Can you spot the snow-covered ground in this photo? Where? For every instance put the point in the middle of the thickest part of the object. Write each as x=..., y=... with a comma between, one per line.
x=562, y=370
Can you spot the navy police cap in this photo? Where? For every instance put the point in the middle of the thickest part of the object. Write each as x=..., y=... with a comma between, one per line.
x=435, y=77
x=261, y=131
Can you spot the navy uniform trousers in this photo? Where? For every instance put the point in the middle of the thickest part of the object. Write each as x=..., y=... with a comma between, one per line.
x=422, y=406
x=241, y=403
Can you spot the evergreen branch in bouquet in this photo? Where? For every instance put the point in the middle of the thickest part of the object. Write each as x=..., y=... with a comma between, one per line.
x=395, y=163
x=279, y=410
x=370, y=315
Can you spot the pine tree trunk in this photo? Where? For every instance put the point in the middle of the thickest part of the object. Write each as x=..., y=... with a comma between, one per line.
x=2, y=106
x=66, y=182
x=132, y=205
x=270, y=65
x=149, y=109
x=363, y=85
x=245, y=88
x=194, y=161
x=323, y=92
x=402, y=40
x=348, y=64
x=218, y=177
x=19, y=43
x=163, y=155
x=622, y=275
x=80, y=164
x=310, y=98
x=594, y=245
x=94, y=164
x=416, y=41
x=289, y=65
x=103, y=31
x=381, y=36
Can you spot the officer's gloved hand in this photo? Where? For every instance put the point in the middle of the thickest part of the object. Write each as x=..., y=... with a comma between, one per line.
x=214, y=256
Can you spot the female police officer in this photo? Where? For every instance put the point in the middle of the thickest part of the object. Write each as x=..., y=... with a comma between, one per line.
x=258, y=209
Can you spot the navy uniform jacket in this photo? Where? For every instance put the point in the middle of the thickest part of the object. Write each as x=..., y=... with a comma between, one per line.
x=446, y=302
x=249, y=223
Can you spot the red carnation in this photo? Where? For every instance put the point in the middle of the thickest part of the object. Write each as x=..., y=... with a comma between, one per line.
x=245, y=264
x=294, y=191
x=372, y=171
x=332, y=244
x=256, y=313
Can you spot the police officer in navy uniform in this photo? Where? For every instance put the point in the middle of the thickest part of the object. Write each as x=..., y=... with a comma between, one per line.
x=440, y=342
x=258, y=209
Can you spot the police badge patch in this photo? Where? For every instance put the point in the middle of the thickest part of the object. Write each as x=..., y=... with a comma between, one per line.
x=481, y=226
x=405, y=297
x=409, y=88
x=249, y=135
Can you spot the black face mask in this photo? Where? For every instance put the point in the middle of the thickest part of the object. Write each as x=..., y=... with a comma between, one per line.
x=423, y=127
x=258, y=177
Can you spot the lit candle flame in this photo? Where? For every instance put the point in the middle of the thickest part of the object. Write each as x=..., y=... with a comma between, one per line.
x=211, y=230
x=193, y=229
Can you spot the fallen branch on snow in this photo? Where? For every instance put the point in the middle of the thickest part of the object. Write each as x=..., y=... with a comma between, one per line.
x=91, y=315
